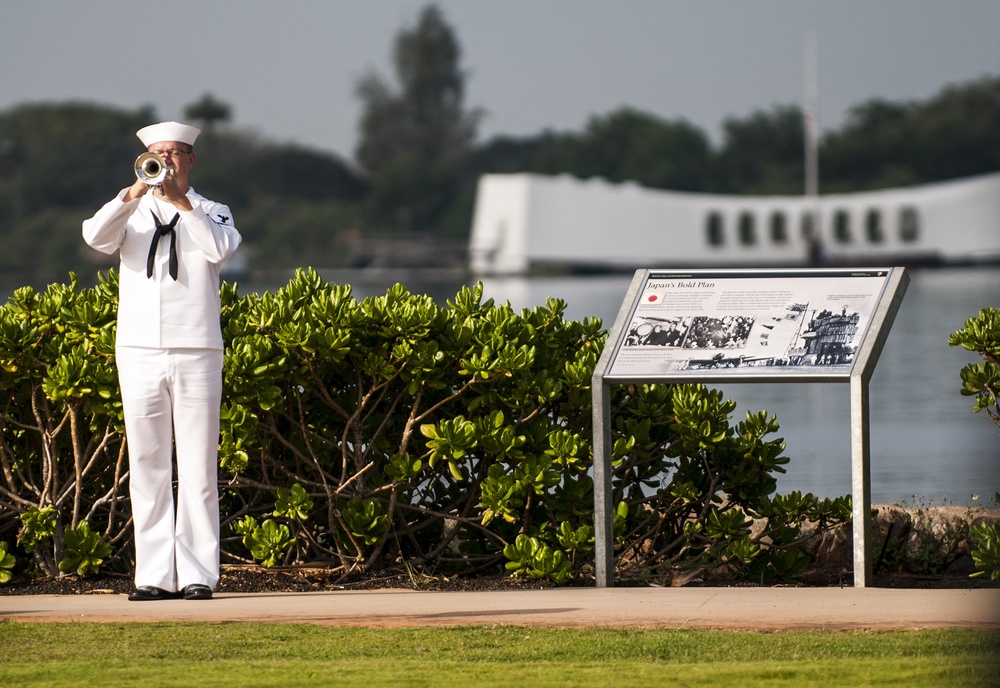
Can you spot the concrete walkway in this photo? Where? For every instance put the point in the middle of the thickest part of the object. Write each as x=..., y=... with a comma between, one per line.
x=722, y=608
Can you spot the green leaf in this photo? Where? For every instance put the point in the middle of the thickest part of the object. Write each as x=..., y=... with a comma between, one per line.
x=365, y=519
x=294, y=503
x=986, y=549
x=7, y=564
x=85, y=551
x=269, y=542
x=37, y=526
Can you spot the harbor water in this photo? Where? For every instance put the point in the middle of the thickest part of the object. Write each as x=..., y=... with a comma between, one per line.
x=927, y=446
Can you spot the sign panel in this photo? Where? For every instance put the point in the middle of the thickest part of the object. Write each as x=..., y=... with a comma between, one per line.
x=752, y=324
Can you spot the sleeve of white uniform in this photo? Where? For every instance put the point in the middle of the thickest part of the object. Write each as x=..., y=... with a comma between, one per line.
x=212, y=229
x=105, y=231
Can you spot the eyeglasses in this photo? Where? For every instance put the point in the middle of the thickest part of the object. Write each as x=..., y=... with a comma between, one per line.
x=172, y=153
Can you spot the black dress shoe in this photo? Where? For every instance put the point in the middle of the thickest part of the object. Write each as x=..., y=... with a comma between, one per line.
x=197, y=591
x=147, y=593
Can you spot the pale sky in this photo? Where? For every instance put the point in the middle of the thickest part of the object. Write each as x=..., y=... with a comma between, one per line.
x=288, y=69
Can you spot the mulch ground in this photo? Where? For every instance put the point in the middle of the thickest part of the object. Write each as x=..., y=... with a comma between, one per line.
x=253, y=579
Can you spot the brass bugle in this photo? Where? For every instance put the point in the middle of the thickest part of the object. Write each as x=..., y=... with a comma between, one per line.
x=151, y=168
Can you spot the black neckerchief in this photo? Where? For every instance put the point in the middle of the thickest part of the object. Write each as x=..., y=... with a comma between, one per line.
x=162, y=229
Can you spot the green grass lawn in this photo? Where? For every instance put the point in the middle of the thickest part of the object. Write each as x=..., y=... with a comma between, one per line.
x=249, y=654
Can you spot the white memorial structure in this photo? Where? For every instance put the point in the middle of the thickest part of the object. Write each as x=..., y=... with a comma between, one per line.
x=526, y=223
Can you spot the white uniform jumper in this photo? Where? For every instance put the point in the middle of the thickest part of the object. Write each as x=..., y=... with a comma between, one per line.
x=169, y=353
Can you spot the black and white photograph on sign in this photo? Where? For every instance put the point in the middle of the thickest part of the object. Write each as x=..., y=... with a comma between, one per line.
x=747, y=323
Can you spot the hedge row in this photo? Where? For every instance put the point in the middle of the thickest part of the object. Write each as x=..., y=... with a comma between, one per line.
x=393, y=434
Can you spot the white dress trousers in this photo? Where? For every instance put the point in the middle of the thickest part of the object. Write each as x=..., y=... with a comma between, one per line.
x=171, y=400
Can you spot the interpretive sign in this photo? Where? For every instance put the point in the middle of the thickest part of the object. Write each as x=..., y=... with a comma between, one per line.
x=747, y=324
x=823, y=325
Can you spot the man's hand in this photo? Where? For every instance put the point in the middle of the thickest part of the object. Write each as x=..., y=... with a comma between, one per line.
x=137, y=190
x=172, y=193
x=168, y=190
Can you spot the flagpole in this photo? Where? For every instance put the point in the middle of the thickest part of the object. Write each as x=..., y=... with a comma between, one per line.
x=810, y=132
x=811, y=118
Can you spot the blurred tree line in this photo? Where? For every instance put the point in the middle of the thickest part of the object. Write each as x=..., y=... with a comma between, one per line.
x=409, y=196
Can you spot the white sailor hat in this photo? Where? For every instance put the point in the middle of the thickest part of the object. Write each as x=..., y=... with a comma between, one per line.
x=168, y=131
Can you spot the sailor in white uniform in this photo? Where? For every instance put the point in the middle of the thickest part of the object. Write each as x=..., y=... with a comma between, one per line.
x=172, y=242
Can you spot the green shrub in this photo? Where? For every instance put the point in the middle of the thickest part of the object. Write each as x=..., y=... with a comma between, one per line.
x=982, y=381
x=61, y=449
x=981, y=334
x=986, y=553
x=394, y=433
x=694, y=491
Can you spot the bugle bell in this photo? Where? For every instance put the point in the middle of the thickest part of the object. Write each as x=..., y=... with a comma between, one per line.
x=151, y=168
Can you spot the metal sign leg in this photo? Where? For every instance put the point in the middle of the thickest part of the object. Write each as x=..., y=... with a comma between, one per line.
x=604, y=539
x=861, y=481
